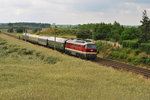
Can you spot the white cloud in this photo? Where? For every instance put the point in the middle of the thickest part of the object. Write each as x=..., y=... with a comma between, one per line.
x=72, y=11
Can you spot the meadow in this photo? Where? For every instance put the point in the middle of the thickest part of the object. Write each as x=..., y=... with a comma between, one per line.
x=32, y=72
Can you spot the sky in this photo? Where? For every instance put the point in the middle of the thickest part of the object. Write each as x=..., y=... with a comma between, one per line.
x=126, y=12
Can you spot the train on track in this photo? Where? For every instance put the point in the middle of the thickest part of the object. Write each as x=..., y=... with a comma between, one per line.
x=80, y=48
x=84, y=49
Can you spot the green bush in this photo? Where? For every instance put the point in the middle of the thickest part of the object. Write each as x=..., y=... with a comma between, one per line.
x=4, y=47
x=119, y=55
x=22, y=51
x=126, y=54
x=133, y=60
x=129, y=59
x=145, y=47
x=114, y=55
x=122, y=56
x=145, y=60
x=2, y=42
x=130, y=43
x=51, y=60
x=148, y=61
x=98, y=46
x=11, y=50
x=126, y=50
x=136, y=61
x=136, y=51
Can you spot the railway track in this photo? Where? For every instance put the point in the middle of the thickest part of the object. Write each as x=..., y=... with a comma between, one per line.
x=114, y=64
x=14, y=36
x=122, y=66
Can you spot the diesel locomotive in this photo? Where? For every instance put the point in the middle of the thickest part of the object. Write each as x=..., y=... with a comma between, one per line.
x=81, y=48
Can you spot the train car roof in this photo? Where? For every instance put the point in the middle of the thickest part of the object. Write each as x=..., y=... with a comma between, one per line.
x=80, y=42
x=31, y=35
x=62, y=40
x=58, y=39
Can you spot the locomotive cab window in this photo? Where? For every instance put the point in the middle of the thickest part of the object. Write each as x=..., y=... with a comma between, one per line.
x=90, y=46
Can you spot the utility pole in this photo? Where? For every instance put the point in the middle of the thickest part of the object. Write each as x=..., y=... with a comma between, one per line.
x=92, y=34
x=55, y=42
x=54, y=38
x=25, y=34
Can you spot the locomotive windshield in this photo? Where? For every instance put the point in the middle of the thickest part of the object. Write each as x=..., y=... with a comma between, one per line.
x=91, y=46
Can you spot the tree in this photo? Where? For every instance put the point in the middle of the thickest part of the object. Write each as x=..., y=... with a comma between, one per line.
x=36, y=30
x=116, y=31
x=10, y=24
x=11, y=30
x=84, y=34
x=145, y=28
x=102, y=31
x=20, y=30
x=130, y=33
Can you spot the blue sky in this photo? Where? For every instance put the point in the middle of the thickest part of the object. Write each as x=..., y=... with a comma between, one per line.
x=126, y=12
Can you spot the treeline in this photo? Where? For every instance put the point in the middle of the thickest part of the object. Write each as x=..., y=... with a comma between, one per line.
x=112, y=32
x=24, y=24
x=79, y=33
x=101, y=31
x=35, y=25
x=23, y=30
x=58, y=31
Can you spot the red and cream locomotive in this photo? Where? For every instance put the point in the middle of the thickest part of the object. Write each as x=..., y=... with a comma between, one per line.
x=81, y=48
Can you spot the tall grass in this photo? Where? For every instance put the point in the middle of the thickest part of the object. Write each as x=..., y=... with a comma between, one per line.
x=16, y=52
x=69, y=78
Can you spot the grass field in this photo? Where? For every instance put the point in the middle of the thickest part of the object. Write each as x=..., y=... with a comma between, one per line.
x=31, y=72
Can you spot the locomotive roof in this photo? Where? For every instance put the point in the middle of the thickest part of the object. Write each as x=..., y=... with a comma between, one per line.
x=80, y=42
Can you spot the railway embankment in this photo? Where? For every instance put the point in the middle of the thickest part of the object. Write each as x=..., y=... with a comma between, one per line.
x=69, y=78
